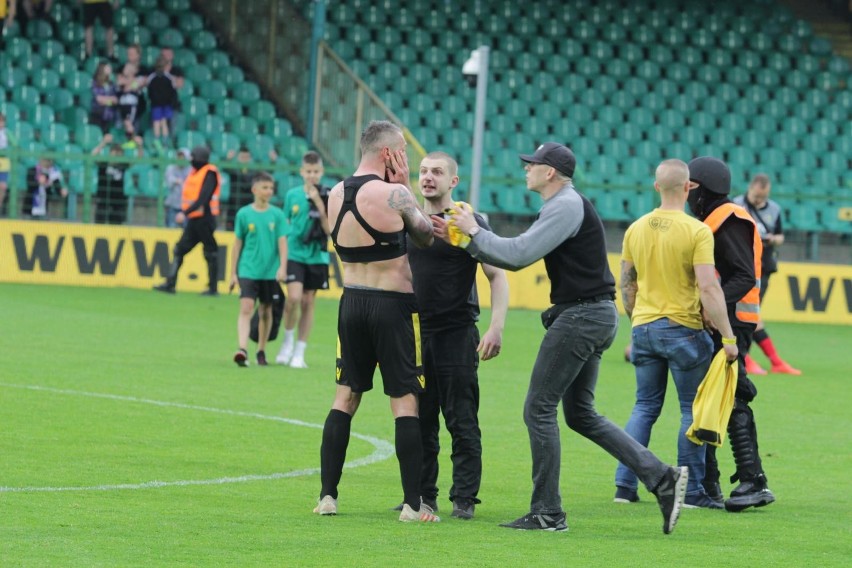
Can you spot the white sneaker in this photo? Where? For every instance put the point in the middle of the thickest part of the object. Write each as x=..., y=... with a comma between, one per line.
x=424, y=515
x=285, y=354
x=326, y=506
x=298, y=363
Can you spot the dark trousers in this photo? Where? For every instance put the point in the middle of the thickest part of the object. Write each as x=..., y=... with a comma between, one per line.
x=197, y=230
x=450, y=363
x=742, y=431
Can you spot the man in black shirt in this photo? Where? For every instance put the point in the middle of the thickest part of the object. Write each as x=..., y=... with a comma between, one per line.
x=445, y=288
x=581, y=325
x=199, y=208
x=737, y=254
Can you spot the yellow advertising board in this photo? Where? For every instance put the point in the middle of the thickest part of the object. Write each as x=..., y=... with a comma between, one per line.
x=139, y=257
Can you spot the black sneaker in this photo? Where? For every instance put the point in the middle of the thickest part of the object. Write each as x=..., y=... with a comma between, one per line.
x=261, y=359
x=463, y=508
x=714, y=492
x=625, y=495
x=670, y=493
x=165, y=288
x=241, y=358
x=539, y=522
x=701, y=501
x=747, y=494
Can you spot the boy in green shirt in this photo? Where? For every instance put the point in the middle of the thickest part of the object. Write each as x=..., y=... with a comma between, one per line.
x=258, y=263
x=307, y=267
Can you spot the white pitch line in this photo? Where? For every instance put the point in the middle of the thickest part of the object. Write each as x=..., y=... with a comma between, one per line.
x=383, y=449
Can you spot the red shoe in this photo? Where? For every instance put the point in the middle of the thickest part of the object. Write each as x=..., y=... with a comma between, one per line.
x=785, y=368
x=752, y=368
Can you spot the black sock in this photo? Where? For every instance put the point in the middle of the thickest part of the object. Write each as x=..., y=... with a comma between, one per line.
x=335, y=440
x=759, y=336
x=409, y=452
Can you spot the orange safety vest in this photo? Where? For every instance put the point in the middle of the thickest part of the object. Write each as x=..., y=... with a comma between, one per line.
x=192, y=189
x=748, y=307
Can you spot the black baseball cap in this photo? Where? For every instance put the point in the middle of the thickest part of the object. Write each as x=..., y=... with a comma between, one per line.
x=711, y=173
x=554, y=155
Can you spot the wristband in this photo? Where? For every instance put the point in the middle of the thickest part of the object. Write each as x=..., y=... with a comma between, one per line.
x=729, y=341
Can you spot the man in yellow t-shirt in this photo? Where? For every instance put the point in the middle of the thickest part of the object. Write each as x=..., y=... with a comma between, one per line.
x=667, y=273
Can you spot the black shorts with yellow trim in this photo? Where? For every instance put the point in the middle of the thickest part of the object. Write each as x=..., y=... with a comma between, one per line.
x=378, y=327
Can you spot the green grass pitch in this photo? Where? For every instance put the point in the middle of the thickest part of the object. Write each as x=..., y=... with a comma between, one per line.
x=129, y=438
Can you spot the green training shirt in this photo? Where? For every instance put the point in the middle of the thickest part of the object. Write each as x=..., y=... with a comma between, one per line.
x=297, y=207
x=259, y=231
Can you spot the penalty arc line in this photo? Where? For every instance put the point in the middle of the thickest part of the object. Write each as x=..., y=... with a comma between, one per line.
x=383, y=449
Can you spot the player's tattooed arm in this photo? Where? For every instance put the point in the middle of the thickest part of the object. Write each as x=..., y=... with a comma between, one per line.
x=629, y=286
x=417, y=224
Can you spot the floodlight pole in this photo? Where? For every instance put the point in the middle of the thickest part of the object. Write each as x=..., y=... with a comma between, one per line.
x=479, y=126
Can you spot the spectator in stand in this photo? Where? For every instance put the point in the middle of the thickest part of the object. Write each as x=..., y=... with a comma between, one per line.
x=6, y=140
x=162, y=93
x=103, y=113
x=240, y=185
x=101, y=10
x=131, y=97
x=176, y=175
x=45, y=180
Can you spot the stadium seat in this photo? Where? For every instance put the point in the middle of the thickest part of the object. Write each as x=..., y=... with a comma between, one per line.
x=203, y=41
x=228, y=108
x=190, y=139
x=262, y=110
x=247, y=93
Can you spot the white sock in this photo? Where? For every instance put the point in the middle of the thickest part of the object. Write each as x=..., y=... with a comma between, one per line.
x=289, y=335
x=299, y=353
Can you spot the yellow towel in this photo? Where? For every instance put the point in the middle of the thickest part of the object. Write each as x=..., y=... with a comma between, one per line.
x=713, y=403
x=457, y=238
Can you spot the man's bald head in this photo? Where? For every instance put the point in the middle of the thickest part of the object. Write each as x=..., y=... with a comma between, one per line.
x=672, y=176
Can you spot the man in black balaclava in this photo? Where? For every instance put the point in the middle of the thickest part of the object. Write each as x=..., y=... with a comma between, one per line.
x=737, y=255
x=199, y=208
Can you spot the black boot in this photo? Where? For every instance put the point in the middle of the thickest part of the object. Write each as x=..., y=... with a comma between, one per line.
x=752, y=490
x=171, y=280
x=752, y=493
x=212, y=274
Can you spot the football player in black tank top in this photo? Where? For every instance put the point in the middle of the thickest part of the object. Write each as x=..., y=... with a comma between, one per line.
x=371, y=213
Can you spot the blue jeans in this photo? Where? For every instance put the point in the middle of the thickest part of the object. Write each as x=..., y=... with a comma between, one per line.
x=658, y=347
x=566, y=370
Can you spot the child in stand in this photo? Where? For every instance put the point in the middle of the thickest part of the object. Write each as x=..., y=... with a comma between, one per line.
x=162, y=96
x=46, y=180
x=258, y=263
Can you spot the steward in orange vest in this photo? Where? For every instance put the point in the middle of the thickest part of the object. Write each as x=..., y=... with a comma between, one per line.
x=199, y=208
x=737, y=255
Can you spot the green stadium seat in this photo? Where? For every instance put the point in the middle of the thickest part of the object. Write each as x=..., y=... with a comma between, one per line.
x=230, y=75
x=77, y=81
x=803, y=218
x=826, y=127
x=222, y=142
x=228, y=108
x=835, y=161
x=796, y=79
x=203, y=41
x=64, y=65
x=45, y=79
x=156, y=21
x=23, y=132
x=262, y=110
x=190, y=139
x=199, y=73
x=213, y=90
x=26, y=96
x=246, y=93
x=293, y=147
x=56, y=136
x=137, y=34
x=87, y=136
x=243, y=126
x=177, y=7
x=278, y=128
x=612, y=205
x=171, y=37
x=210, y=125
x=190, y=23
x=772, y=158
x=125, y=17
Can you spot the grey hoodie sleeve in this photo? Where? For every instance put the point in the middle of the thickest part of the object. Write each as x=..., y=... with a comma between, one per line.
x=559, y=219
